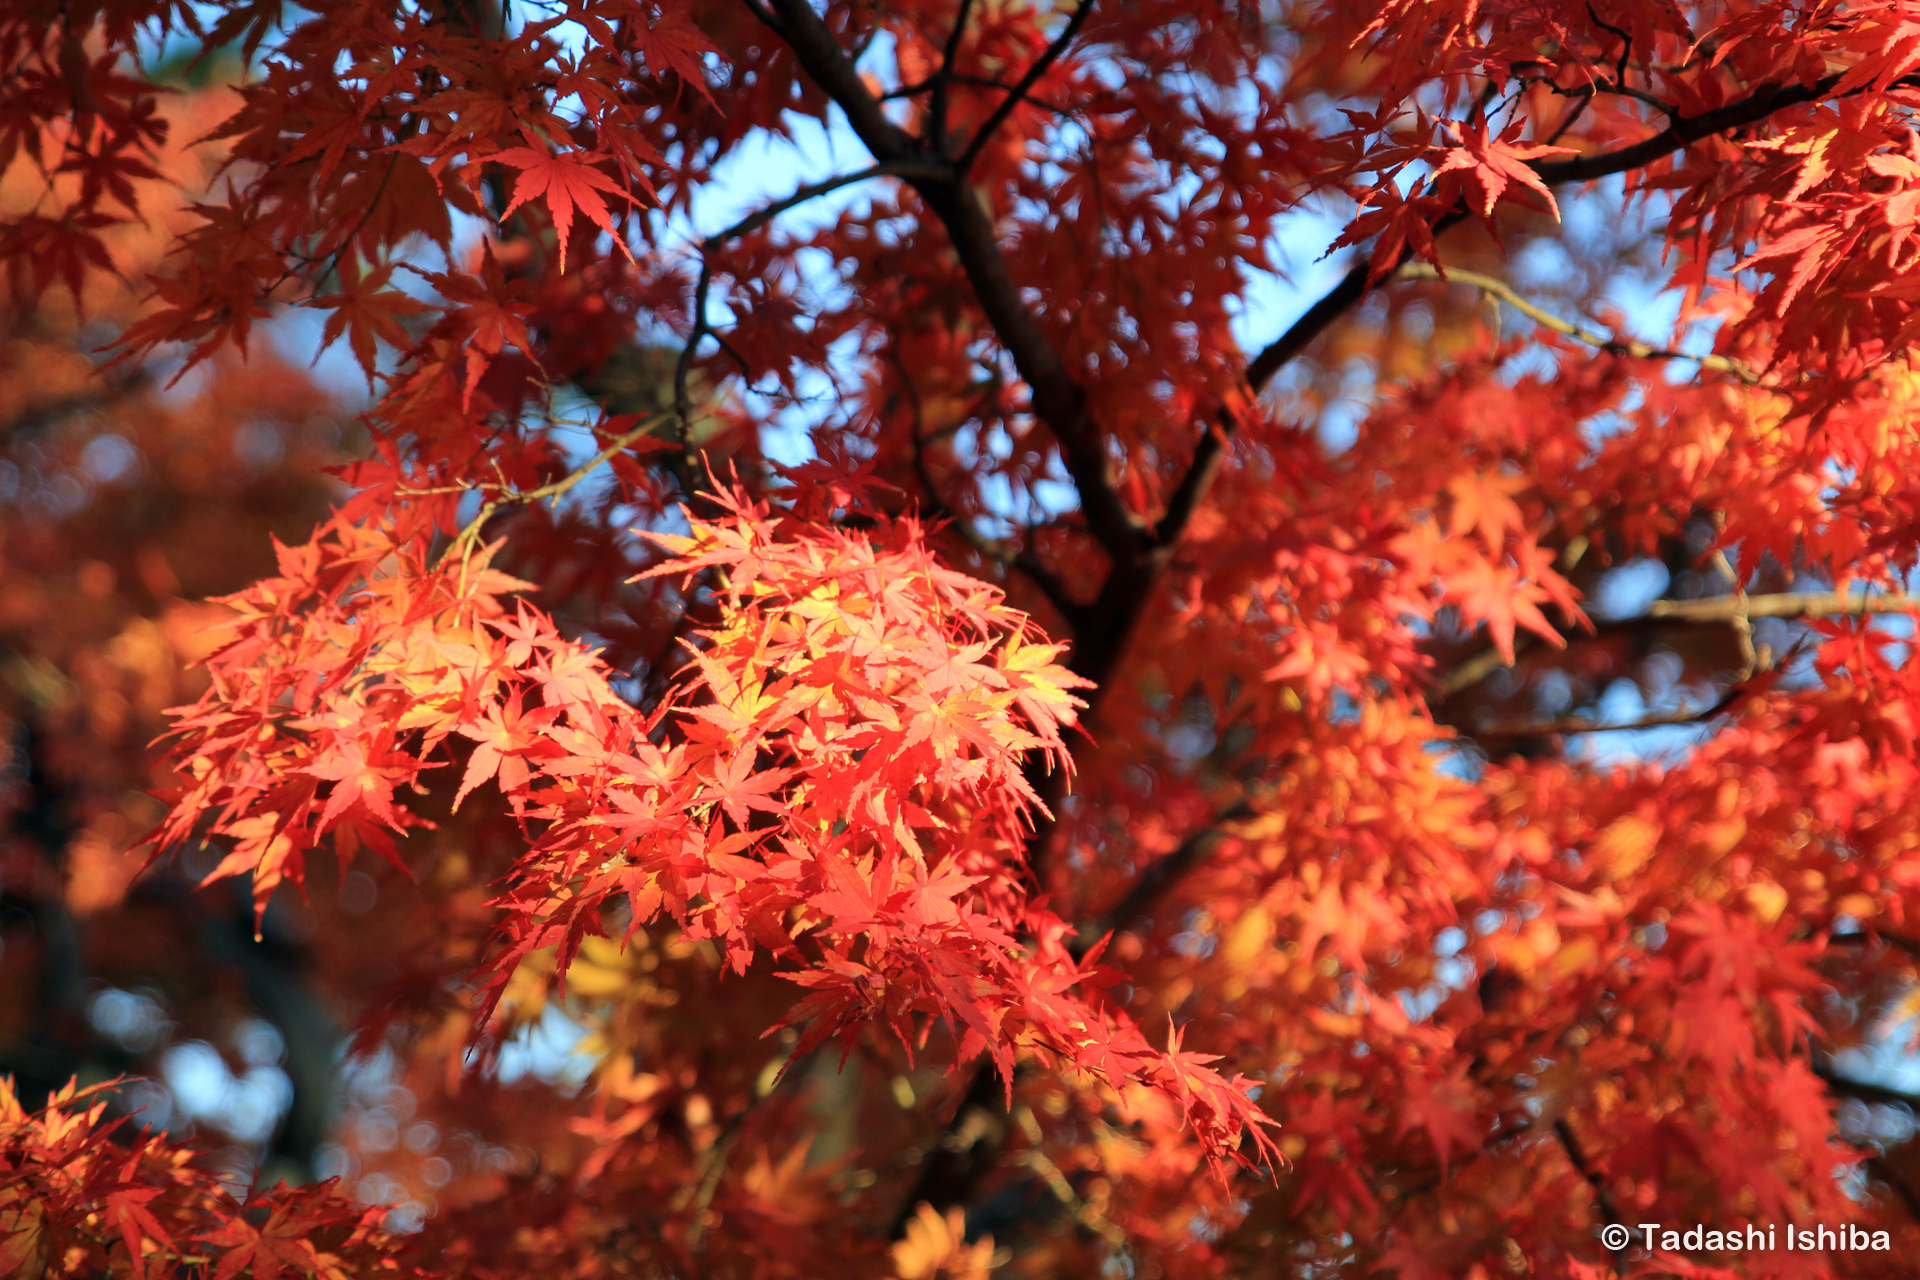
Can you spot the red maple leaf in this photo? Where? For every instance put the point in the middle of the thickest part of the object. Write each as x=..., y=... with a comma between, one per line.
x=568, y=184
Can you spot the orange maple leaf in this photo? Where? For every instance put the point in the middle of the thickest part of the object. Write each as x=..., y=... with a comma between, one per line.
x=1492, y=164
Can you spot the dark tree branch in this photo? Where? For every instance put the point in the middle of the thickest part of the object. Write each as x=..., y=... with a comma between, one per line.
x=1687, y=130
x=1025, y=86
x=1728, y=610
x=688, y=464
x=273, y=970
x=1577, y=1157
x=1160, y=878
x=1899, y=942
x=1058, y=400
x=937, y=107
x=760, y=217
x=1683, y=131
x=1336, y=302
x=966, y=1151
x=952, y=50
x=979, y=82
x=827, y=64
x=1573, y=117
x=1861, y=1089
x=1625, y=38
x=1042, y=577
x=759, y=10
x=1333, y=304
x=1204, y=466
x=1661, y=105
x=1581, y=724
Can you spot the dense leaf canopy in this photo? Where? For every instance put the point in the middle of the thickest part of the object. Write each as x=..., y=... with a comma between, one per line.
x=1265, y=639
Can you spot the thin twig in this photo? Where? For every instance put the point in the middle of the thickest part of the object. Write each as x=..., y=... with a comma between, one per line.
x=937, y=107
x=1571, y=725
x=1158, y=879
x=1789, y=604
x=1577, y=1157
x=1661, y=105
x=919, y=87
x=1495, y=287
x=683, y=369
x=464, y=541
x=1626, y=42
x=1732, y=610
x=1742, y=619
x=999, y=552
x=697, y=1200
x=1573, y=116
x=699, y=327
x=1683, y=131
x=759, y=218
x=1038, y=1161
x=1680, y=133
x=1025, y=86
x=713, y=1165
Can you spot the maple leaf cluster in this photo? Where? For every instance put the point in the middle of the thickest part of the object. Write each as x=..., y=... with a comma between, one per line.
x=840, y=784
x=79, y=1199
x=1127, y=802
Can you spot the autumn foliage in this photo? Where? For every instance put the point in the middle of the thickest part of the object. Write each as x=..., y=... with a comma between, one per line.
x=76, y=1202
x=989, y=769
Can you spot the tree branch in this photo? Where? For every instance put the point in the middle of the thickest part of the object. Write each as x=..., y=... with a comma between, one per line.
x=1789, y=604
x=966, y=1150
x=699, y=328
x=760, y=217
x=683, y=371
x=1042, y=577
x=1470, y=673
x=1681, y=132
x=919, y=87
x=1580, y=724
x=937, y=108
x=463, y=542
x=1024, y=87
x=1730, y=610
x=821, y=57
x=1056, y=1181
x=759, y=10
x=1193, y=486
x=1686, y=130
x=1497, y=288
x=1861, y=1089
x=1577, y=1157
x=1333, y=304
x=1057, y=398
x=1157, y=880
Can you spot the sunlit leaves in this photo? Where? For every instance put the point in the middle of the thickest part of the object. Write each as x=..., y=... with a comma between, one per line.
x=739, y=769
x=846, y=764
